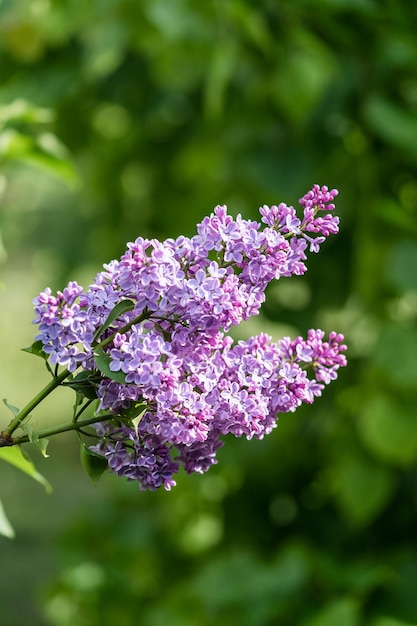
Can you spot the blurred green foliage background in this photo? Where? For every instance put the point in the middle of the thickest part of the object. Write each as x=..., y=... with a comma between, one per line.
x=121, y=118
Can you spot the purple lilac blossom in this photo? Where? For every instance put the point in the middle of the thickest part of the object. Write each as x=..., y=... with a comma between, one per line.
x=171, y=349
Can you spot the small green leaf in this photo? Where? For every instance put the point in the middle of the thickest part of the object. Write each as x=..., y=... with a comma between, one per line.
x=18, y=458
x=133, y=410
x=37, y=349
x=41, y=444
x=121, y=307
x=85, y=383
x=93, y=464
x=103, y=361
x=134, y=413
x=166, y=335
x=11, y=408
x=27, y=428
x=5, y=526
x=137, y=419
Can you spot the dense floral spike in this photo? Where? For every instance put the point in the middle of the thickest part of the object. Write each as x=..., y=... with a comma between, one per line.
x=170, y=353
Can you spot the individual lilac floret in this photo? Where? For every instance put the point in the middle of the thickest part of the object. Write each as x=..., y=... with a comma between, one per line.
x=166, y=350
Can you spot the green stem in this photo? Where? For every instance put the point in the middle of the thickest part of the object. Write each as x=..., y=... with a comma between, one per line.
x=140, y=318
x=18, y=419
x=6, y=435
x=63, y=428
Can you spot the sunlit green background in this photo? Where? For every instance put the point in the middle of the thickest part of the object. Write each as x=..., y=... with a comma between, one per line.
x=121, y=118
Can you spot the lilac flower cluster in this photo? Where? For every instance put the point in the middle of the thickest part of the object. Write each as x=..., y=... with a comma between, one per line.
x=168, y=353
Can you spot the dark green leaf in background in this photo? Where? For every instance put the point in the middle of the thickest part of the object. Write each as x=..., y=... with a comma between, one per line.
x=389, y=430
x=396, y=352
x=402, y=265
x=103, y=360
x=361, y=488
x=93, y=464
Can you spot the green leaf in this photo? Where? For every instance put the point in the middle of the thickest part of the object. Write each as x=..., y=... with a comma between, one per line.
x=5, y=526
x=44, y=151
x=134, y=413
x=37, y=349
x=14, y=145
x=343, y=612
x=394, y=214
x=85, y=383
x=134, y=409
x=121, y=307
x=393, y=123
x=21, y=110
x=301, y=82
x=93, y=464
x=137, y=419
x=361, y=488
x=395, y=353
x=103, y=361
x=166, y=335
x=252, y=23
x=401, y=265
x=388, y=429
x=41, y=444
x=11, y=408
x=16, y=457
x=220, y=71
x=59, y=167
